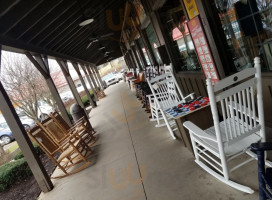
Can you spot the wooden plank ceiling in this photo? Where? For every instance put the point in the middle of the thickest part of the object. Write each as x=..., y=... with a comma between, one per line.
x=51, y=27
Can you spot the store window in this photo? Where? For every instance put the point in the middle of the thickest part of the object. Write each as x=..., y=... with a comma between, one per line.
x=137, y=57
x=181, y=35
x=247, y=25
x=153, y=40
x=141, y=44
x=184, y=54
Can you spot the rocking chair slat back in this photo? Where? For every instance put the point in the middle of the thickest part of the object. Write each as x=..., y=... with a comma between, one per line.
x=237, y=106
x=226, y=82
x=62, y=122
x=43, y=140
x=54, y=130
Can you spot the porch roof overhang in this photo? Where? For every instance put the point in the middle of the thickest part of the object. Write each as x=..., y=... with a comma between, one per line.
x=52, y=28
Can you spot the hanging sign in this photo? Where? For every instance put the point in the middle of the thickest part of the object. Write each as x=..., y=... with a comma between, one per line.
x=191, y=8
x=202, y=49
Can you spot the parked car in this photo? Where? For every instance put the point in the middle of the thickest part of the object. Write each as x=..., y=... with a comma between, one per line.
x=119, y=76
x=44, y=110
x=123, y=71
x=5, y=133
x=27, y=122
x=111, y=79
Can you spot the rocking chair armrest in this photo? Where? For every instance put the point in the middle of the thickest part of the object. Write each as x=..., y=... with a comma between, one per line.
x=261, y=146
x=64, y=144
x=194, y=129
x=76, y=130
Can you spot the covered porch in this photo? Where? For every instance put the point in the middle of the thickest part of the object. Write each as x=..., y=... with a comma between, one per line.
x=135, y=160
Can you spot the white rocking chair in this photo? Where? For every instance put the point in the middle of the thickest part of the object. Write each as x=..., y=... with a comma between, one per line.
x=215, y=147
x=166, y=94
x=156, y=114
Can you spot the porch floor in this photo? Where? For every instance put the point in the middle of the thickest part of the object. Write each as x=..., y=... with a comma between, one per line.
x=136, y=161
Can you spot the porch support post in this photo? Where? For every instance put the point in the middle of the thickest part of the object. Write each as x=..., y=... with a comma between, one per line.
x=91, y=76
x=132, y=59
x=83, y=83
x=127, y=62
x=140, y=52
x=99, y=77
x=43, y=67
x=64, y=67
x=89, y=80
x=95, y=76
x=130, y=64
x=24, y=142
x=133, y=50
x=148, y=47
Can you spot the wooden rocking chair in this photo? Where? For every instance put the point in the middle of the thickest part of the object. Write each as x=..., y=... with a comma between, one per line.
x=215, y=147
x=167, y=94
x=70, y=152
x=81, y=127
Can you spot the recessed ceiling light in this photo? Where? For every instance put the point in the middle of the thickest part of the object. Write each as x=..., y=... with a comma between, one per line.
x=86, y=22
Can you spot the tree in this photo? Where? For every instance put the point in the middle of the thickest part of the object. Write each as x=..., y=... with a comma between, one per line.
x=24, y=84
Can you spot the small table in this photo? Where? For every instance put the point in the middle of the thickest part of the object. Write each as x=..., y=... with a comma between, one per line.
x=197, y=111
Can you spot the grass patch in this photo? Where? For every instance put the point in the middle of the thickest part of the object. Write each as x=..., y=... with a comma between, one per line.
x=13, y=172
x=14, y=147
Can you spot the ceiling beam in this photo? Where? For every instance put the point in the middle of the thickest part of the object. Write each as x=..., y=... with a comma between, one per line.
x=83, y=42
x=22, y=46
x=30, y=21
x=63, y=27
x=13, y=18
x=71, y=39
x=53, y=17
x=100, y=25
x=6, y=5
x=63, y=41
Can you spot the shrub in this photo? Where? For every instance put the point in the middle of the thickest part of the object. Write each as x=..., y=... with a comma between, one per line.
x=12, y=172
x=85, y=100
x=37, y=149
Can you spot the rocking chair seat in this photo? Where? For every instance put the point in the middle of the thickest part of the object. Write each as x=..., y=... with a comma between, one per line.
x=67, y=151
x=230, y=149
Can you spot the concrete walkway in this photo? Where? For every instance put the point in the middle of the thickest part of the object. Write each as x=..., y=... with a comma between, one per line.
x=136, y=161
